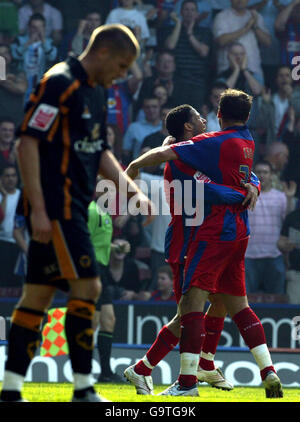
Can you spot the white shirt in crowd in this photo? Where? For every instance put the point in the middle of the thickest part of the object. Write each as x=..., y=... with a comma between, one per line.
x=265, y=224
x=130, y=18
x=229, y=21
x=54, y=20
x=212, y=122
x=7, y=225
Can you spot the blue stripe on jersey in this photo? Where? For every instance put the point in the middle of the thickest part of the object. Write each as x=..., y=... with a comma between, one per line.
x=244, y=216
x=192, y=267
x=168, y=240
x=229, y=227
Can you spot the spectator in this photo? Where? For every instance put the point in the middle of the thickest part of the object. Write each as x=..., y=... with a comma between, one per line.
x=84, y=31
x=277, y=154
x=128, y=15
x=9, y=196
x=164, y=291
x=204, y=12
x=123, y=275
x=160, y=92
x=212, y=121
x=273, y=108
x=264, y=262
x=12, y=89
x=238, y=23
x=270, y=56
x=53, y=18
x=114, y=139
x=7, y=142
x=155, y=140
x=34, y=51
x=290, y=138
x=237, y=75
x=191, y=45
x=137, y=131
x=287, y=28
x=120, y=98
x=164, y=73
x=289, y=244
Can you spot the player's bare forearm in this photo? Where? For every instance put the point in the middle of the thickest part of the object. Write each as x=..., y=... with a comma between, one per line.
x=111, y=169
x=153, y=157
x=29, y=163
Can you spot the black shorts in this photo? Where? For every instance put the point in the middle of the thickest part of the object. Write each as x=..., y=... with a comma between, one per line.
x=106, y=296
x=69, y=256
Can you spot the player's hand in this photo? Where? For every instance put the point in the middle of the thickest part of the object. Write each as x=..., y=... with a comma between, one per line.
x=41, y=227
x=147, y=208
x=132, y=171
x=169, y=140
x=251, y=197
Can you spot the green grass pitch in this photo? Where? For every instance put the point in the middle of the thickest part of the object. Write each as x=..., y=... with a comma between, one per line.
x=51, y=392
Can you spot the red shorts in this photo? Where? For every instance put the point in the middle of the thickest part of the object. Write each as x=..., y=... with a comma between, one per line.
x=177, y=270
x=217, y=267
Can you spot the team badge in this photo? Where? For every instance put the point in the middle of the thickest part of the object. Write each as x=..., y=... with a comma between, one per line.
x=43, y=117
x=85, y=261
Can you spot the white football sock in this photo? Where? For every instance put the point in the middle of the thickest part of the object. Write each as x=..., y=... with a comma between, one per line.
x=82, y=381
x=262, y=356
x=12, y=381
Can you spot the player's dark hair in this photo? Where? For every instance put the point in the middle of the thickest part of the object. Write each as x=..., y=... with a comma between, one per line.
x=235, y=105
x=37, y=17
x=264, y=163
x=176, y=118
x=117, y=37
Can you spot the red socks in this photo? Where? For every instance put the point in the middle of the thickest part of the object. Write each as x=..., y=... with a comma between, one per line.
x=213, y=328
x=192, y=338
x=164, y=343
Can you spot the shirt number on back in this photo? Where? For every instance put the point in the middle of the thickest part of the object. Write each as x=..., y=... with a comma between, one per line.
x=244, y=170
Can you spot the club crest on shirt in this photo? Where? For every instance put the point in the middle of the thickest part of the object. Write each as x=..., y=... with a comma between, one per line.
x=86, y=113
x=43, y=117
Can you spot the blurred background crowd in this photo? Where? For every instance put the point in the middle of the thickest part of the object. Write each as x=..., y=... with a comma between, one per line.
x=191, y=52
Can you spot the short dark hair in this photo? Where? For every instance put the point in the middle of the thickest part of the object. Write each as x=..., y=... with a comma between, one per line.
x=8, y=166
x=37, y=17
x=188, y=1
x=264, y=163
x=7, y=119
x=117, y=37
x=235, y=105
x=165, y=269
x=176, y=118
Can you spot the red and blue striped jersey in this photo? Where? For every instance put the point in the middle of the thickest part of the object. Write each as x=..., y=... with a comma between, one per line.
x=215, y=154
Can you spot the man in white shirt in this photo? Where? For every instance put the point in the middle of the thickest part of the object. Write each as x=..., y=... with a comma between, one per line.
x=54, y=20
x=265, y=269
x=247, y=27
x=212, y=121
x=9, y=196
x=131, y=17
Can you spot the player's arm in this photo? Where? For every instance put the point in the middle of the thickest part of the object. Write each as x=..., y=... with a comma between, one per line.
x=29, y=163
x=110, y=169
x=153, y=157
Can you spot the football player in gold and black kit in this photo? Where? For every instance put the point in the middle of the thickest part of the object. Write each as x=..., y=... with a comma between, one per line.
x=62, y=149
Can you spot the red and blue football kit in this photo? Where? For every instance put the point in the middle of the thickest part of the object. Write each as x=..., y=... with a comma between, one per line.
x=216, y=248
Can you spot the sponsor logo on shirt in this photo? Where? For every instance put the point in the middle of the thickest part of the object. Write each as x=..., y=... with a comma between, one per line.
x=43, y=117
x=201, y=177
x=88, y=147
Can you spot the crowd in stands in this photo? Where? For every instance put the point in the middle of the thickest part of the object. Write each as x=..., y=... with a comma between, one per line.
x=191, y=51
